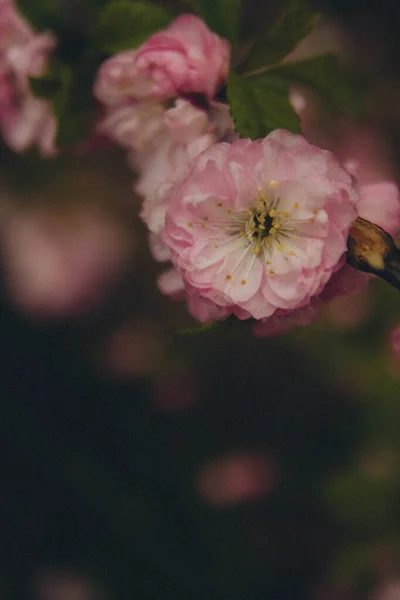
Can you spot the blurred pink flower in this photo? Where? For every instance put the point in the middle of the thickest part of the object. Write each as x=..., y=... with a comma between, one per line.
x=261, y=226
x=379, y=202
x=30, y=122
x=388, y=591
x=235, y=479
x=183, y=58
x=56, y=268
x=176, y=389
x=395, y=342
x=136, y=349
x=24, y=119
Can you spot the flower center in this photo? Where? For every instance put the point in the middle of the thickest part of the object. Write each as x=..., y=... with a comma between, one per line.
x=263, y=224
x=259, y=225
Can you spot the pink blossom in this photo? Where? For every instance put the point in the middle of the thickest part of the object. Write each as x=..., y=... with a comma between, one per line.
x=236, y=479
x=24, y=120
x=395, y=341
x=261, y=226
x=14, y=30
x=185, y=57
x=171, y=283
x=379, y=203
x=139, y=127
x=365, y=156
x=55, y=267
x=389, y=590
x=187, y=132
x=344, y=282
x=282, y=320
x=30, y=122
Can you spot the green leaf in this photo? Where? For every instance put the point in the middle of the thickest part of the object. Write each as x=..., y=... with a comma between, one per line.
x=221, y=16
x=338, y=88
x=295, y=23
x=43, y=15
x=259, y=105
x=201, y=328
x=70, y=92
x=124, y=24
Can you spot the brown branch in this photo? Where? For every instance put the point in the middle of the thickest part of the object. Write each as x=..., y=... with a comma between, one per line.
x=372, y=250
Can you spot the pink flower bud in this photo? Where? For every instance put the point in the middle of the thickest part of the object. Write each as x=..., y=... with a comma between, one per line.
x=185, y=57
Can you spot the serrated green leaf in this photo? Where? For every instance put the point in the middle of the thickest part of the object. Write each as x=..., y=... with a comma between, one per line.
x=337, y=87
x=292, y=27
x=259, y=105
x=221, y=16
x=124, y=24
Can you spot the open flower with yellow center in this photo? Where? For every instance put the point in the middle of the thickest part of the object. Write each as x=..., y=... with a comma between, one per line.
x=260, y=226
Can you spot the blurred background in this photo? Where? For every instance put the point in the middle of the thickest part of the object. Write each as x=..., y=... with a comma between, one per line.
x=140, y=460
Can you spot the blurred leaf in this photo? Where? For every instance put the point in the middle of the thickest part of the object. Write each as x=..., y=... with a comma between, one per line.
x=43, y=15
x=336, y=86
x=292, y=27
x=124, y=24
x=70, y=92
x=201, y=329
x=259, y=105
x=221, y=16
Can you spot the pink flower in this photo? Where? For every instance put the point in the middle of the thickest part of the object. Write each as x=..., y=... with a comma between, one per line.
x=261, y=226
x=380, y=203
x=395, y=342
x=185, y=57
x=344, y=282
x=24, y=120
x=31, y=122
x=203, y=310
x=282, y=320
x=139, y=127
x=186, y=133
x=55, y=267
x=236, y=479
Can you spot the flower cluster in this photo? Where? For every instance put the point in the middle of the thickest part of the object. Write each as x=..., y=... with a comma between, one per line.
x=24, y=119
x=256, y=229
x=161, y=104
